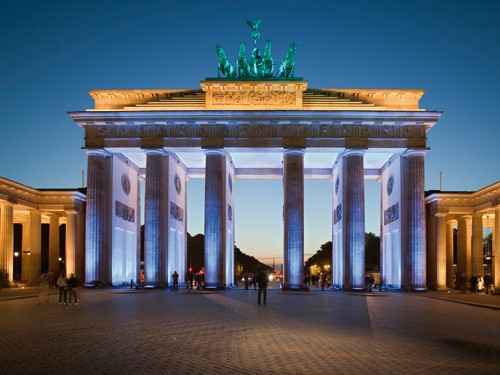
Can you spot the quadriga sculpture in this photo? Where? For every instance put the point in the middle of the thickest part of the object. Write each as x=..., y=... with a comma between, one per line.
x=225, y=68
x=288, y=65
x=242, y=63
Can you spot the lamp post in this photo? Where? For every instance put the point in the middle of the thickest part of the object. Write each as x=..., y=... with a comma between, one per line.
x=16, y=266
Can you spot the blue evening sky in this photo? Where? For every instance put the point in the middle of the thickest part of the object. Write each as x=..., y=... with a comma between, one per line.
x=52, y=52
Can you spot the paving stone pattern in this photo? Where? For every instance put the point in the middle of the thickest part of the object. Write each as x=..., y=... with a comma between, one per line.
x=115, y=331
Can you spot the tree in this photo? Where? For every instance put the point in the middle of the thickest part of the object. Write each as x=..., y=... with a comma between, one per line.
x=196, y=256
x=372, y=254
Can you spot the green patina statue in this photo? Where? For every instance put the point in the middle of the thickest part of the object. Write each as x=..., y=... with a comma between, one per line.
x=244, y=70
x=288, y=65
x=260, y=65
x=225, y=66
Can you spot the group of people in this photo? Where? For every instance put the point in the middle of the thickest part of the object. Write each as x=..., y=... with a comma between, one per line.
x=477, y=283
x=67, y=285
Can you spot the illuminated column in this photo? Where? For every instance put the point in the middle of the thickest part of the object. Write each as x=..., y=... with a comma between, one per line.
x=156, y=218
x=449, y=254
x=98, y=205
x=354, y=202
x=7, y=240
x=477, y=245
x=215, y=201
x=35, y=244
x=71, y=241
x=414, y=259
x=495, y=262
x=293, y=215
x=462, y=247
x=54, y=244
x=441, y=253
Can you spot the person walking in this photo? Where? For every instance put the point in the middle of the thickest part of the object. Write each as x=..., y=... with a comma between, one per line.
x=175, y=279
x=72, y=284
x=262, y=281
x=62, y=284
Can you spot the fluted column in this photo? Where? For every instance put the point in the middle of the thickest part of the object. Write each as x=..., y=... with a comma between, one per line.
x=354, y=223
x=415, y=257
x=449, y=254
x=477, y=245
x=71, y=241
x=156, y=218
x=463, y=256
x=35, y=245
x=215, y=200
x=97, y=252
x=7, y=240
x=54, y=244
x=441, y=254
x=293, y=216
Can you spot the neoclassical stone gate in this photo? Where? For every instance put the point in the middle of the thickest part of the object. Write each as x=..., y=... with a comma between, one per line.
x=262, y=127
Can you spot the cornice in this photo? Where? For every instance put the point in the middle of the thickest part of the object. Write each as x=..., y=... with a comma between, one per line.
x=19, y=194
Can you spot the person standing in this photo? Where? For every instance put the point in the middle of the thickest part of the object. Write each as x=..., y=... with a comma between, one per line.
x=473, y=283
x=262, y=281
x=62, y=284
x=72, y=283
x=190, y=279
x=175, y=279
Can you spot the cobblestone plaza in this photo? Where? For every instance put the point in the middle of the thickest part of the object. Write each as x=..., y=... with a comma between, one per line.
x=155, y=331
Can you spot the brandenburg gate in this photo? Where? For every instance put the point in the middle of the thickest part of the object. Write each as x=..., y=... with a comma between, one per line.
x=252, y=122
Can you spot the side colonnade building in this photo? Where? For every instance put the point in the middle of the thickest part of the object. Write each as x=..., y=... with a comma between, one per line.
x=458, y=227
x=252, y=128
x=61, y=210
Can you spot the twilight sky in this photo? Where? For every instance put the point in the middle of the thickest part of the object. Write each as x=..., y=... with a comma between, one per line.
x=53, y=52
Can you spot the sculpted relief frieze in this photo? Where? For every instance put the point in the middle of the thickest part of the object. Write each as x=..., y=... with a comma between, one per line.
x=253, y=98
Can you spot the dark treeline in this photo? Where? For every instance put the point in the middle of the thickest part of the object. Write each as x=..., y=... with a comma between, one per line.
x=372, y=254
x=246, y=263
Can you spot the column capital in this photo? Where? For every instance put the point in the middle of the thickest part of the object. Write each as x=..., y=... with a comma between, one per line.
x=214, y=151
x=294, y=151
x=97, y=152
x=414, y=152
x=155, y=151
x=354, y=151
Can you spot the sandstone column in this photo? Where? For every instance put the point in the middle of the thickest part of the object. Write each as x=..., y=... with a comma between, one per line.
x=449, y=254
x=415, y=257
x=7, y=241
x=293, y=216
x=215, y=201
x=156, y=218
x=441, y=253
x=477, y=245
x=71, y=241
x=354, y=222
x=463, y=257
x=35, y=245
x=495, y=262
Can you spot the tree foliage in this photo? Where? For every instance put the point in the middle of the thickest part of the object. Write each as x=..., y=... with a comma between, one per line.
x=196, y=256
x=372, y=254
